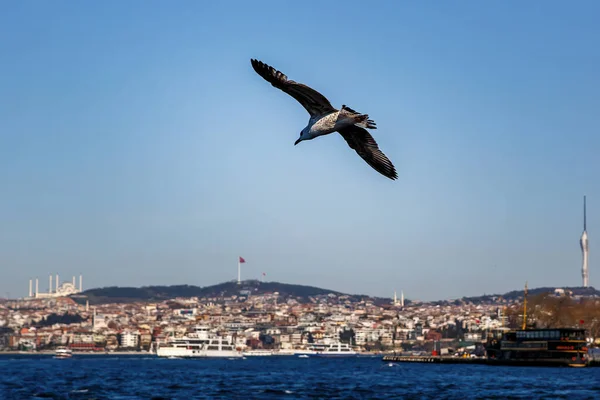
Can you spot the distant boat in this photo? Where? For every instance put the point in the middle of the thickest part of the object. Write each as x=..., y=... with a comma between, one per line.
x=63, y=352
x=303, y=356
x=199, y=344
x=536, y=347
x=338, y=350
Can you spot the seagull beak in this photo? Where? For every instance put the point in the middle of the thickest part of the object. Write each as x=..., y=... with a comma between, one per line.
x=297, y=141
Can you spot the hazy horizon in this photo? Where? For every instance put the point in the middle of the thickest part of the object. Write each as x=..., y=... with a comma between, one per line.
x=139, y=147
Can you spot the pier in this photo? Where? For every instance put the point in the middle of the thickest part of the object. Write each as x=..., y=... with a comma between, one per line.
x=484, y=361
x=435, y=359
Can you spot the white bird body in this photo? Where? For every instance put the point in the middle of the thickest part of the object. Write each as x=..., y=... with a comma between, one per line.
x=328, y=123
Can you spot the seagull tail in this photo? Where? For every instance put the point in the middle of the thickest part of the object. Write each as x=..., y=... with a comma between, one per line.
x=361, y=120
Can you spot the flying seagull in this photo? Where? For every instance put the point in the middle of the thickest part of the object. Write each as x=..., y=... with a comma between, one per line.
x=325, y=119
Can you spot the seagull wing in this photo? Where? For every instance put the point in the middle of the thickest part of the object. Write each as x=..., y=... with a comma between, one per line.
x=363, y=143
x=314, y=102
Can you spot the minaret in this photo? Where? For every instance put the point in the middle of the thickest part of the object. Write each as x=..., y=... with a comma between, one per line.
x=584, y=250
x=31, y=288
x=395, y=299
x=50, y=285
x=402, y=298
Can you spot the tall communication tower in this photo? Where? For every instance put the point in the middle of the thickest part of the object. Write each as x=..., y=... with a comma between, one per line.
x=584, y=249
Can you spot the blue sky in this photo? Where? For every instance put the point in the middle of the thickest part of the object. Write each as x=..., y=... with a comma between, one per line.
x=138, y=146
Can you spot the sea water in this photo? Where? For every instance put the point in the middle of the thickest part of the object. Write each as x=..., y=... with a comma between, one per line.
x=282, y=377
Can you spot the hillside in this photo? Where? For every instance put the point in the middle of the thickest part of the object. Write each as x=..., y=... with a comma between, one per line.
x=302, y=293
x=117, y=294
x=518, y=294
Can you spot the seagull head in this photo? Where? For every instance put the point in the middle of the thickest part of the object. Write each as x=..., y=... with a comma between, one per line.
x=303, y=136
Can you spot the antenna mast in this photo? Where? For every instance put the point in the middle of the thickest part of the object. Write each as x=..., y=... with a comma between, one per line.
x=584, y=216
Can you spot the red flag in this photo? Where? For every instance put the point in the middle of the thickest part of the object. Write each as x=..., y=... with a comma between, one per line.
x=242, y=260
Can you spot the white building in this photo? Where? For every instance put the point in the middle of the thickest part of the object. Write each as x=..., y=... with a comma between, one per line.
x=129, y=338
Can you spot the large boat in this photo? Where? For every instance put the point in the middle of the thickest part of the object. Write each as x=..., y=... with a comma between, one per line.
x=63, y=352
x=337, y=350
x=200, y=343
x=538, y=347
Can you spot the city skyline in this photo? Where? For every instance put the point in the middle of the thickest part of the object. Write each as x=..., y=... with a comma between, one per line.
x=139, y=147
x=54, y=291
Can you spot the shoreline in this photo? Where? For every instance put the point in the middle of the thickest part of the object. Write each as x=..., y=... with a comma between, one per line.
x=141, y=353
x=92, y=353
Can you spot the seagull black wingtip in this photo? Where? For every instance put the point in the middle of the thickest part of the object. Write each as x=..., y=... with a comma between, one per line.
x=393, y=176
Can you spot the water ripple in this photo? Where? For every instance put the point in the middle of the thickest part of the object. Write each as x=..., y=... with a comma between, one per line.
x=101, y=377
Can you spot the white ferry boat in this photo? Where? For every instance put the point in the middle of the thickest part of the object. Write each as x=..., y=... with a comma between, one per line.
x=337, y=350
x=63, y=352
x=200, y=343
